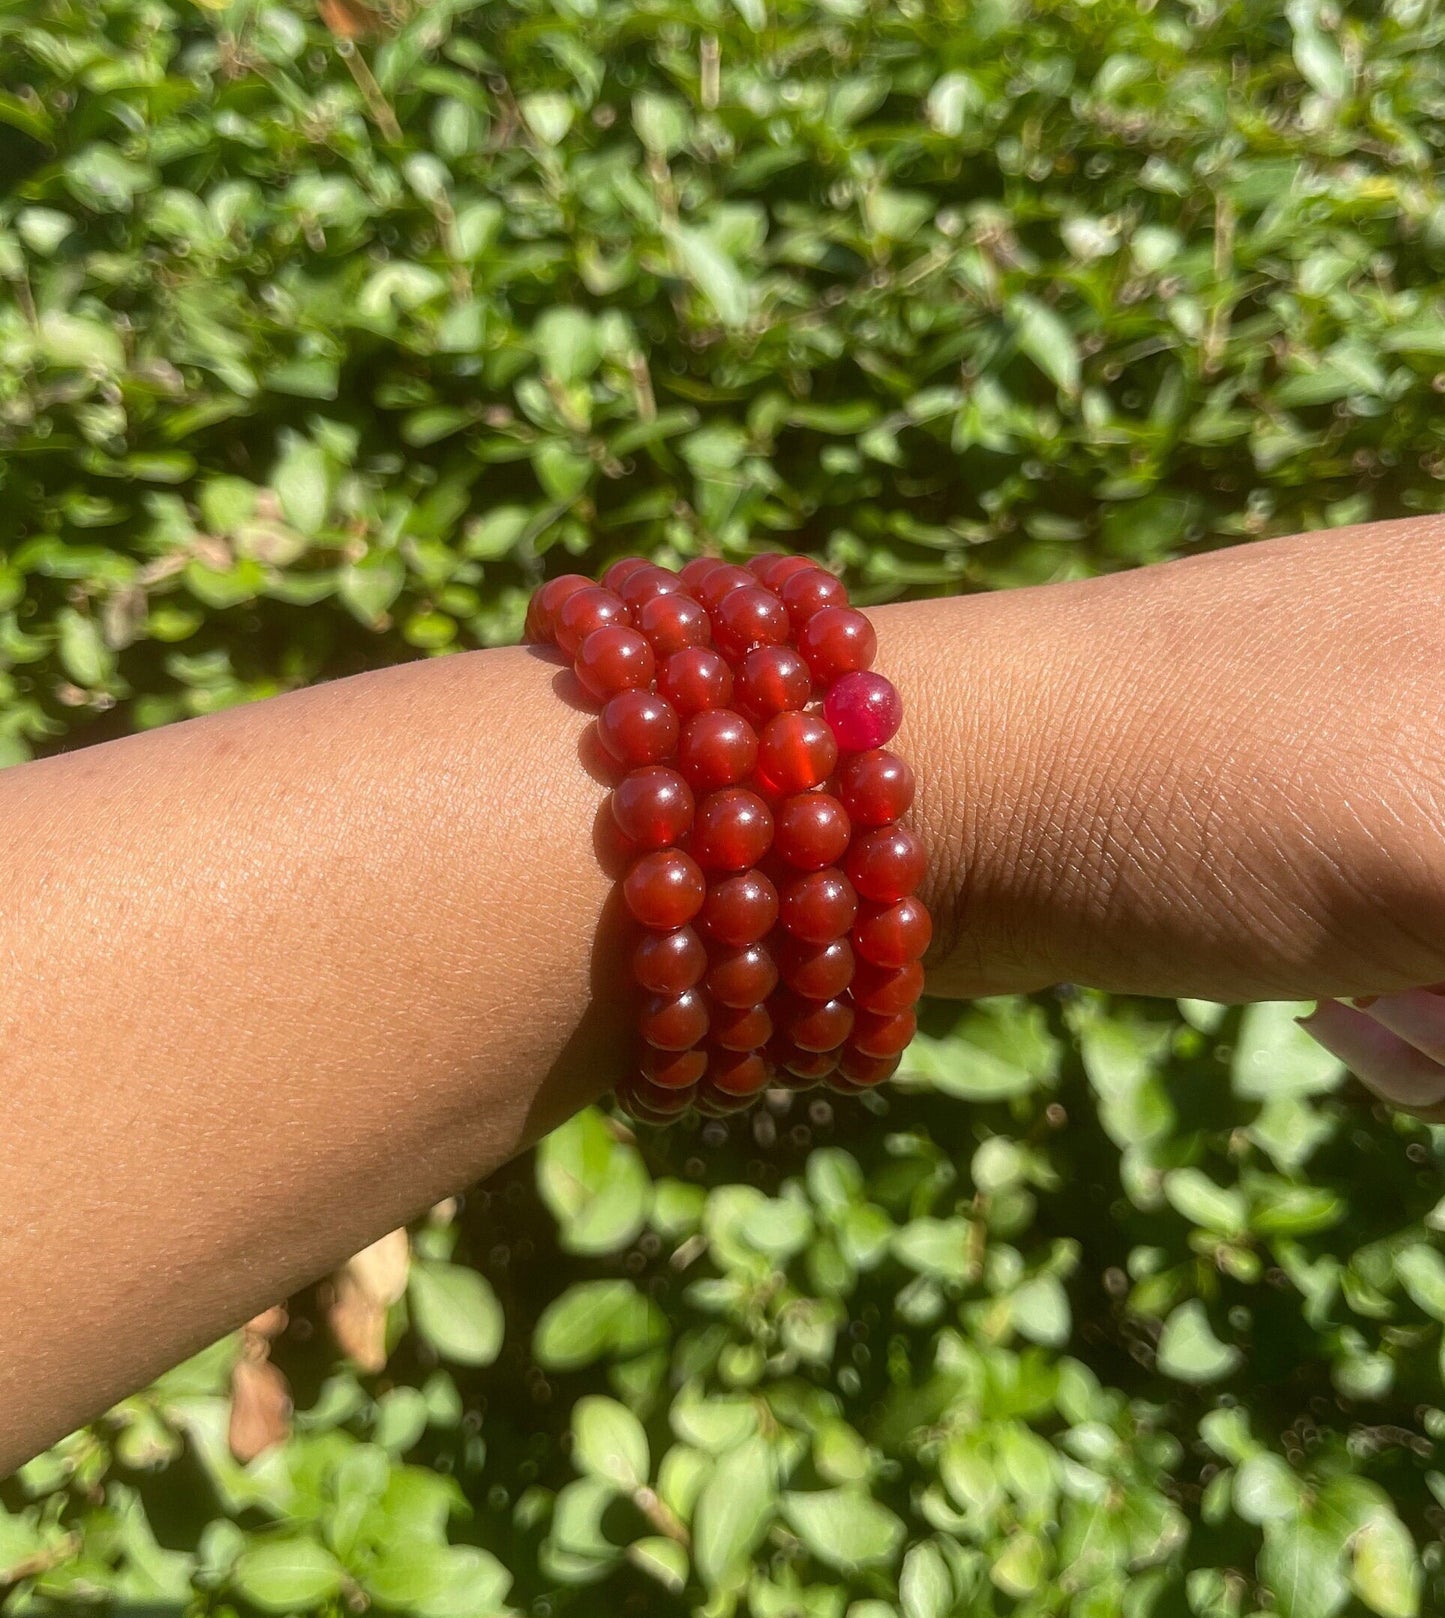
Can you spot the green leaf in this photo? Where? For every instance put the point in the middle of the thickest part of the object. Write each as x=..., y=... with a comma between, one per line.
x=1199, y=1199
x=369, y=587
x=456, y=1311
x=594, y=1184
x=287, y=1575
x=1020, y=1567
x=844, y=1527
x=1386, y=1572
x=1040, y=1311
x=1046, y=339
x=1273, y=1056
x=1421, y=1270
x=301, y=481
x=733, y=1512
x=712, y=272
x=1188, y=1349
x=1265, y=1488
x=1300, y=1567
x=608, y=1441
x=925, y=1587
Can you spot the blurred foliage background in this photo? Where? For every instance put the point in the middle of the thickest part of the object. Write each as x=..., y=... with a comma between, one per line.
x=324, y=335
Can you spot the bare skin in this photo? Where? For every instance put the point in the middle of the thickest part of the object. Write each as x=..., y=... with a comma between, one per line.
x=274, y=981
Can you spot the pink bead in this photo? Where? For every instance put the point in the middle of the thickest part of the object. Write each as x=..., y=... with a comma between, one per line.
x=863, y=709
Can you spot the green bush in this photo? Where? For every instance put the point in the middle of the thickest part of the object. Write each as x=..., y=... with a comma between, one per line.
x=315, y=348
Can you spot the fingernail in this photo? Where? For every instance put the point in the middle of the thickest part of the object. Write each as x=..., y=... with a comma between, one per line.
x=1394, y=1069
x=1417, y=1016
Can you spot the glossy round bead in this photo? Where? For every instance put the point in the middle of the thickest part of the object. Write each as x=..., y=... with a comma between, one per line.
x=672, y=1070
x=741, y=1028
x=672, y=623
x=876, y=1033
x=722, y=581
x=875, y=787
x=776, y=574
x=638, y=727
x=717, y=748
x=808, y=591
x=818, y=906
x=646, y=583
x=817, y=971
x=887, y=989
x=731, y=830
x=759, y=565
x=740, y=909
x=773, y=679
x=696, y=679
x=738, y=1073
x=695, y=571
x=809, y=1067
x=669, y=963
x=836, y=641
x=665, y=889
x=886, y=864
x=742, y=977
x=653, y=806
x=585, y=611
x=795, y=751
x=811, y=830
x=673, y=1022
x=623, y=568
x=864, y=710
x=651, y=1103
x=747, y=617
x=614, y=659
x=711, y=1103
x=865, y=1071
x=547, y=603
x=892, y=935
x=815, y=1025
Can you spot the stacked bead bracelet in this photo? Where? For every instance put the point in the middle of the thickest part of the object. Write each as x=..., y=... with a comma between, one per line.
x=772, y=884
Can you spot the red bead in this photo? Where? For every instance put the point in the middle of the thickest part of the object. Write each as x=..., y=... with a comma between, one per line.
x=758, y=565
x=711, y=1103
x=673, y=1022
x=547, y=603
x=837, y=641
x=665, y=889
x=875, y=787
x=696, y=679
x=886, y=864
x=653, y=806
x=809, y=591
x=818, y=906
x=748, y=617
x=722, y=581
x=584, y=611
x=864, y=710
x=892, y=935
x=673, y=1070
x=647, y=583
x=638, y=727
x=672, y=623
x=815, y=1025
x=818, y=971
x=741, y=1028
x=623, y=568
x=795, y=751
x=865, y=1071
x=740, y=909
x=773, y=679
x=742, y=977
x=614, y=659
x=717, y=748
x=737, y=1073
x=889, y=989
x=669, y=963
x=807, y=1066
x=695, y=571
x=776, y=574
x=651, y=1103
x=811, y=830
x=876, y=1033
x=731, y=830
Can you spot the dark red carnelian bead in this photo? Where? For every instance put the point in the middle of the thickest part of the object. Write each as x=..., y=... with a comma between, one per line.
x=722, y=581
x=818, y=906
x=817, y=971
x=731, y=830
x=668, y=963
x=638, y=588
x=892, y=935
x=865, y=1071
x=717, y=748
x=652, y=1103
x=815, y=1025
x=778, y=573
x=836, y=641
x=811, y=830
x=665, y=889
x=807, y=592
x=674, y=1022
x=875, y=787
x=584, y=611
x=638, y=727
x=773, y=679
x=653, y=806
x=886, y=864
x=623, y=568
x=748, y=617
x=695, y=571
x=795, y=751
x=695, y=680
x=742, y=977
x=672, y=1070
x=673, y=623
x=737, y=1073
x=876, y=1033
x=808, y=1066
x=614, y=659
x=759, y=565
x=547, y=603
x=889, y=989
x=741, y=1028
x=740, y=909
x=864, y=709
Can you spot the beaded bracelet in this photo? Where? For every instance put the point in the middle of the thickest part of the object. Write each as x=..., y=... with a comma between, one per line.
x=772, y=883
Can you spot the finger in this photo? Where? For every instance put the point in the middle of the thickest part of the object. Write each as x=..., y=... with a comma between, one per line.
x=1417, y=1016
x=1379, y=1057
